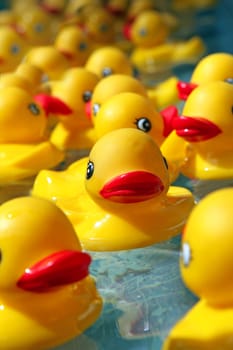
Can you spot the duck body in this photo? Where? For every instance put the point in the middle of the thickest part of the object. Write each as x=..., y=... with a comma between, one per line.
x=208, y=324
x=129, y=205
x=41, y=307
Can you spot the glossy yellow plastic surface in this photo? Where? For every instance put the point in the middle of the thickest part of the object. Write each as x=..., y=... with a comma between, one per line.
x=125, y=201
x=206, y=268
x=23, y=147
x=109, y=60
x=210, y=158
x=31, y=230
x=12, y=49
x=74, y=131
x=129, y=110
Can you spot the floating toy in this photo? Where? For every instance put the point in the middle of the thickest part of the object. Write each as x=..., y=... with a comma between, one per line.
x=206, y=268
x=125, y=201
x=149, y=33
x=74, y=43
x=12, y=49
x=46, y=292
x=206, y=127
x=49, y=60
x=74, y=90
x=109, y=60
x=216, y=66
x=24, y=149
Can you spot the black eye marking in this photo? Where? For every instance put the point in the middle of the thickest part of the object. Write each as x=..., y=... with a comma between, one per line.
x=96, y=108
x=107, y=71
x=143, y=124
x=90, y=169
x=165, y=162
x=34, y=108
x=229, y=80
x=87, y=96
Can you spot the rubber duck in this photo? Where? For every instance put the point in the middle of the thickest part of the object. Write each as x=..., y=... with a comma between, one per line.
x=73, y=42
x=149, y=33
x=126, y=191
x=24, y=149
x=215, y=66
x=74, y=131
x=208, y=325
x=110, y=86
x=38, y=26
x=130, y=110
x=109, y=60
x=31, y=73
x=206, y=128
x=46, y=292
x=12, y=49
x=49, y=60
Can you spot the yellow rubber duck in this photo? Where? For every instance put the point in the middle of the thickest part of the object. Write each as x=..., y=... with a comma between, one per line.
x=73, y=42
x=24, y=149
x=206, y=268
x=125, y=201
x=47, y=295
x=109, y=60
x=130, y=110
x=206, y=128
x=74, y=131
x=212, y=67
x=49, y=60
x=12, y=49
x=149, y=33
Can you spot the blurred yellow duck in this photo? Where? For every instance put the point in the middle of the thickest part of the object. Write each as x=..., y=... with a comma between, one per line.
x=12, y=49
x=109, y=60
x=74, y=90
x=73, y=42
x=24, y=149
x=205, y=128
x=206, y=267
x=47, y=295
x=149, y=33
x=49, y=60
x=125, y=201
x=215, y=66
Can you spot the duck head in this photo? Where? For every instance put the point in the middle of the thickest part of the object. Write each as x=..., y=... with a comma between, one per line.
x=126, y=166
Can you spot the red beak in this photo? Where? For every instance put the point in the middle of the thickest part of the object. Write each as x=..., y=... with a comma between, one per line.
x=195, y=129
x=61, y=268
x=135, y=186
x=185, y=89
x=127, y=29
x=168, y=114
x=52, y=104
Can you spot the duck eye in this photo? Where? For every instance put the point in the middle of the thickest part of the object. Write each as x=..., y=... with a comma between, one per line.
x=165, y=162
x=34, y=108
x=0, y=256
x=106, y=72
x=87, y=96
x=143, y=32
x=186, y=254
x=103, y=27
x=82, y=46
x=143, y=124
x=15, y=49
x=38, y=27
x=90, y=170
x=95, y=108
x=229, y=80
